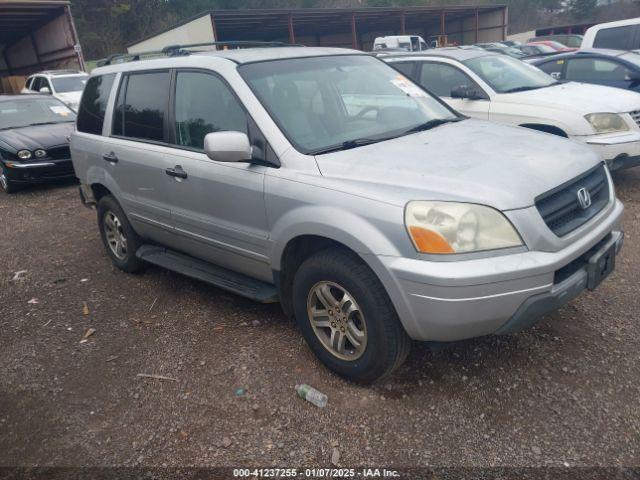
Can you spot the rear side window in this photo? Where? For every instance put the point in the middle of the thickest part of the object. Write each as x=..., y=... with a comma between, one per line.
x=142, y=106
x=619, y=38
x=94, y=104
x=205, y=104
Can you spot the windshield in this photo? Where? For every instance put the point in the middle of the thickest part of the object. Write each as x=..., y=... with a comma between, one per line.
x=323, y=102
x=505, y=74
x=69, y=84
x=25, y=112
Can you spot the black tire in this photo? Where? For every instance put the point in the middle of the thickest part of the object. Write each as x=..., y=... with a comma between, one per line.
x=127, y=261
x=387, y=344
x=7, y=185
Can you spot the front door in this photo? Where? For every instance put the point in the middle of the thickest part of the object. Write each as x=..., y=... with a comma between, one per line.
x=217, y=208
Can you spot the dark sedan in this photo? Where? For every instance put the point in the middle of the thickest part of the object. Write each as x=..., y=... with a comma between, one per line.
x=34, y=145
x=613, y=68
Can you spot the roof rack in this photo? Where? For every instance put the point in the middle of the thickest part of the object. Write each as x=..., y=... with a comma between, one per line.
x=180, y=50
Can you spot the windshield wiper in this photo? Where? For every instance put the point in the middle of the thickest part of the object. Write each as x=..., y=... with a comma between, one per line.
x=527, y=88
x=436, y=122
x=348, y=145
x=43, y=123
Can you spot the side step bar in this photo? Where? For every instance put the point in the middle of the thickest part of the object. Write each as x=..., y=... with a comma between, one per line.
x=206, y=272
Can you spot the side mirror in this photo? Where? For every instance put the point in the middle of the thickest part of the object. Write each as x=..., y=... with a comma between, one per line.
x=464, y=92
x=45, y=90
x=634, y=76
x=228, y=147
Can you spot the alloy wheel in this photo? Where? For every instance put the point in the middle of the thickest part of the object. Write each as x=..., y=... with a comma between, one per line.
x=114, y=233
x=337, y=320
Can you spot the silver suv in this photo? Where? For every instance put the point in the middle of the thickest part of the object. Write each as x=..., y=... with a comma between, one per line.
x=325, y=180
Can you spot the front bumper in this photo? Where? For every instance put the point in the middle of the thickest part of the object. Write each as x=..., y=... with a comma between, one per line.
x=618, y=150
x=38, y=171
x=450, y=301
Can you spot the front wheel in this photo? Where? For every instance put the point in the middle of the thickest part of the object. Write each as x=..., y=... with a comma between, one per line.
x=347, y=317
x=7, y=185
x=118, y=236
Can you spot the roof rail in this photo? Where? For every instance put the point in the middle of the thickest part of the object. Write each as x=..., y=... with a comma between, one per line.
x=179, y=50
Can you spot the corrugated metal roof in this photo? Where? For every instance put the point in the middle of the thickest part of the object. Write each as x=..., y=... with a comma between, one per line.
x=18, y=18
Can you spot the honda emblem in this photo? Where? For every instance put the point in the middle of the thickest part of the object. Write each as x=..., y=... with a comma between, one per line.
x=584, y=198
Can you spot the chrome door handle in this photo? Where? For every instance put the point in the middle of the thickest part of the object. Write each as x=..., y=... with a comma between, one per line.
x=176, y=172
x=110, y=157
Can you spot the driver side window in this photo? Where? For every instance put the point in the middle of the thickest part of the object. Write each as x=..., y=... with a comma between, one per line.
x=441, y=78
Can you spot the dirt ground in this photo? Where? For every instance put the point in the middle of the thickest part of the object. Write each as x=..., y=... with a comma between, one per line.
x=564, y=393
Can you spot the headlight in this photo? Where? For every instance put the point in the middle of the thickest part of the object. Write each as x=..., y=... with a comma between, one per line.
x=607, y=122
x=447, y=227
x=24, y=154
x=40, y=153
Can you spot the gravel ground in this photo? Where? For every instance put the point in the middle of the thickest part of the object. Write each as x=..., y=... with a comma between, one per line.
x=564, y=393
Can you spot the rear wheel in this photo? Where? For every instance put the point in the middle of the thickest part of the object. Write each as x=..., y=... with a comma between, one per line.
x=118, y=237
x=7, y=185
x=347, y=317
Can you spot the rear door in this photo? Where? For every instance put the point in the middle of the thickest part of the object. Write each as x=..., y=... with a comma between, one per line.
x=217, y=208
x=135, y=152
x=441, y=78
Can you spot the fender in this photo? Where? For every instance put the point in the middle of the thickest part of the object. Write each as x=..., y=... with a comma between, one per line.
x=333, y=223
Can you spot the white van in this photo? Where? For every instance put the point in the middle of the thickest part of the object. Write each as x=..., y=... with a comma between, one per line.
x=411, y=43
x=622, y=35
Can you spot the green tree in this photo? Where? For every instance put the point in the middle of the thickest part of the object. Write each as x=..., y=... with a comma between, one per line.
x=582, y=9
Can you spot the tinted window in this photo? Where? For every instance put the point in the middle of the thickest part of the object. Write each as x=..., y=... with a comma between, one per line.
x=204, y=104
x=595, y=70
x=405, y=67
x=94, y=104
x=441, y=78
x=29, y=82
x=553, y=68
x=142, y=106
x=617, y=38
x=35, y=86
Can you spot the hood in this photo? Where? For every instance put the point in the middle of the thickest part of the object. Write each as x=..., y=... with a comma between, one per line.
x=71, y=98
x=471, y=161
x=582, y=98
x=40, y=136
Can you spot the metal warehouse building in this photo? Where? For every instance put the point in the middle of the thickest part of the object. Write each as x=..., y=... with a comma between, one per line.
x=37, y=35
x=353, y=28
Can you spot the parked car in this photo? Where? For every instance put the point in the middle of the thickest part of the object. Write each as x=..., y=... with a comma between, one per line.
x=34, y=145
x=612, y=68
x=409, y=43
x=495, y=87
x=622, y=35
x=65, y=85
x=558, y=47
x=324, y=179
x=536, y=49
x=567, y=39
x=499, y=48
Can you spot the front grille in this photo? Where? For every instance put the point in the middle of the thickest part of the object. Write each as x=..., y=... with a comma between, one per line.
x=59, y=153
x=636, y=116
x=560, y=208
